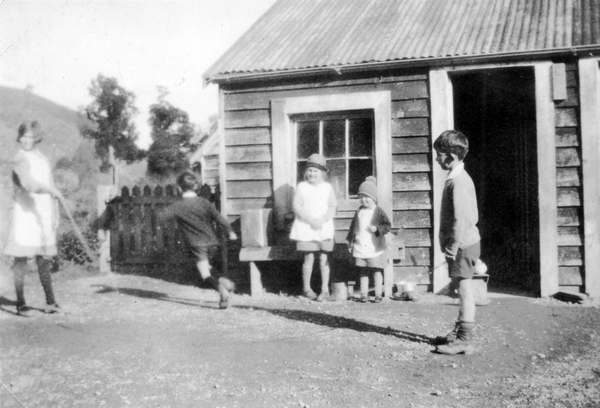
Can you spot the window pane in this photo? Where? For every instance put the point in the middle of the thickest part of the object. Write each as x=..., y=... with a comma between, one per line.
x=360, y=169
x=361, y=137
x=308, y=139
x=334, y=138
x=300, y=168
x=337, y=177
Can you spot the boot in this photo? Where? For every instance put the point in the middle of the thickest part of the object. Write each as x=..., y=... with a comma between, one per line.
x=439, y=340
x=462, y=344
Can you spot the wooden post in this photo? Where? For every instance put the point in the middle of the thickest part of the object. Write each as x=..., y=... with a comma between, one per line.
x=256, y=287
x=104, y=194
x=546, y=151
x=442, y=119
x=589, y=85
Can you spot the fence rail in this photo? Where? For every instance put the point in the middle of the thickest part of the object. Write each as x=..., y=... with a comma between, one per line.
x=139, y=236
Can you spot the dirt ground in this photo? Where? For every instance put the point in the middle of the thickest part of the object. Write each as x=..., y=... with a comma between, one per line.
x=131, y=341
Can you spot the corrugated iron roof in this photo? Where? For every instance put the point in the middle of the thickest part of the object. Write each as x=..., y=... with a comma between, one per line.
x=304, y=34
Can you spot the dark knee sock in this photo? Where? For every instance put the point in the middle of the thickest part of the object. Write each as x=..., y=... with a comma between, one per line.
x=19, y=267
x=44, y=266
x=213, y=282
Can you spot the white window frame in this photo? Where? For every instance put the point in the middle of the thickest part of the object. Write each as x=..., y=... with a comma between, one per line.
x=283, y=140
x=346, y=117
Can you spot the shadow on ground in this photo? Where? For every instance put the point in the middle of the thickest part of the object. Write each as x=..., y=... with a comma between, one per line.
x=323, y=319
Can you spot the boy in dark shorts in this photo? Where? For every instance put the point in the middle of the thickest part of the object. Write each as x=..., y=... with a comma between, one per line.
x=195, y=216
x=459, y=237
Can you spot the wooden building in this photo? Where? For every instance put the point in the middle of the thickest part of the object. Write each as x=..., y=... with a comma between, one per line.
x=371, y=84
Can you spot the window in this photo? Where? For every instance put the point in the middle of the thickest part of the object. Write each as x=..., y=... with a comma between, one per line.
x=341, y=117
x=345, y=140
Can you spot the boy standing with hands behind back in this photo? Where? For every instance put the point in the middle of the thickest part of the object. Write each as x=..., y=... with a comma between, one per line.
x=459, y=237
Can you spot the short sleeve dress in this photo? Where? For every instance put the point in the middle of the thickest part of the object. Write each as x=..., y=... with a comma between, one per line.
x=34, y=216
x=315, y=201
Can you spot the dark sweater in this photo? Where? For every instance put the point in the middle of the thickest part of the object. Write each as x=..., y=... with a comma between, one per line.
x=379, y=220
x=195, y=217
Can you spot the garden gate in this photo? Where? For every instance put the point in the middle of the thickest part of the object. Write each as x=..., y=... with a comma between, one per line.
x=140, y=240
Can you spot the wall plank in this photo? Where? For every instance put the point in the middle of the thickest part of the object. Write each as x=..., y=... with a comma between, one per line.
x=249, y=189
x=566, y=137
x=411, y=181
x=416, y=237
x=245, y=101
x=235, y=206
x=570, y=236
x=566, y=117
x=570, y=256
x=418, y=256
x=417, y=274
x=568, y=157
x=568, y=177
x=572, y=99
x=410, y=127
x=413, y=200
x=414, y=108
x=570, y=275
x=234, y=137
x=568, y=197
x=569, y=216
x=404, y=145
x=412, y=219
x=406, y=163
x=248, y=171
x=409, y=90
x=248, y=118
x=245, y=154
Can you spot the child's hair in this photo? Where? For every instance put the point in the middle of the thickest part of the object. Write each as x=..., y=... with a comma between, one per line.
x=184, y=182
x=33, y=127
x=452, y=141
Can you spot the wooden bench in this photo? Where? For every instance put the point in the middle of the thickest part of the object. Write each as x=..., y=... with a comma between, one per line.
x=252, y=255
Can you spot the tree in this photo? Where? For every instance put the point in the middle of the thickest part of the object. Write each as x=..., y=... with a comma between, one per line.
x=171, y=133
x=112, y=113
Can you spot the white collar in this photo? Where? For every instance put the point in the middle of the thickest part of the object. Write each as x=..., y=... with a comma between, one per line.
x=189, y=194
x=456, y=171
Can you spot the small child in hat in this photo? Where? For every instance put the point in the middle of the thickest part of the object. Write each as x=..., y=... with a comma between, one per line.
x=366, y=240
x=314, y=207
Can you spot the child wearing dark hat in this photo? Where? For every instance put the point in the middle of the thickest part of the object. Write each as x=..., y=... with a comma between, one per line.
x=366, y=240
x=314, y=207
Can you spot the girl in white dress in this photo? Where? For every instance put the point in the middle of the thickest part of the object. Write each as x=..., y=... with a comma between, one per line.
x=34, y=217
x=314, y=208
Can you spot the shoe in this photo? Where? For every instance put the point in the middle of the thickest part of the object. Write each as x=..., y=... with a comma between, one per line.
x=225, y=288
x=363, y=298
x=323, y=296
x=378, y=299
x=450, y=337
x=55, y=308
x=24, y=311
x=457, y=346
x=310, y=294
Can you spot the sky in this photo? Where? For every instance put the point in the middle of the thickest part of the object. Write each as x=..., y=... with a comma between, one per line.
x=57, y=47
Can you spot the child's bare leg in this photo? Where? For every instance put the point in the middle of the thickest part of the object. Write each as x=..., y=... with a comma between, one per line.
x=224, y=286
x=464, y=333
x=203, y=267
x=325, y=271
x=307, y=267
x=378, y=282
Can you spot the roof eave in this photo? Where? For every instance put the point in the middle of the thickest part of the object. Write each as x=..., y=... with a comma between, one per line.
x=592, y=50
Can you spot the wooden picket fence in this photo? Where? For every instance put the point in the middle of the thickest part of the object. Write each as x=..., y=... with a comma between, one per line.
x=139, y=237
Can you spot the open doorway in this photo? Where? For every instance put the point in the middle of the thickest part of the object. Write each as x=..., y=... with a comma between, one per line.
x=496, y=110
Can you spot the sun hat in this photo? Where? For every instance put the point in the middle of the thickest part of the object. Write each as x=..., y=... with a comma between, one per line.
x=317, y=161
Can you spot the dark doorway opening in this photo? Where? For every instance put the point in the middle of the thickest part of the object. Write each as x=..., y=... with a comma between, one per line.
x=496, y=110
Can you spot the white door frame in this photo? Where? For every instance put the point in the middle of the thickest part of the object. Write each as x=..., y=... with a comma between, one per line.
x=442, y=118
